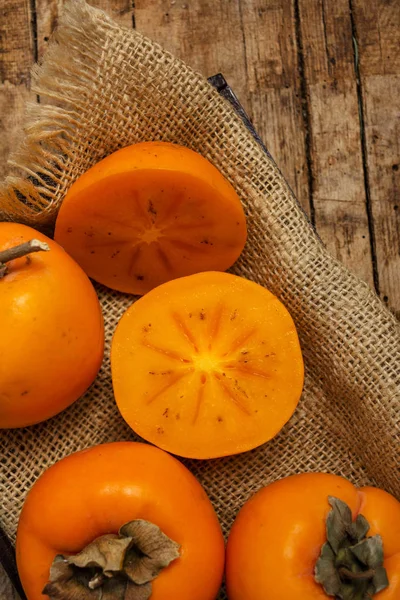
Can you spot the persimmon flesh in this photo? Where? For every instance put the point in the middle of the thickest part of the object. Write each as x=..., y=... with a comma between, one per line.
x=207, y=365
x=149, y=213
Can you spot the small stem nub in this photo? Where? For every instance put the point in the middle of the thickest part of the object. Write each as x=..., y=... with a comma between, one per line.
x=20, y=251
x=97, y=581
x=347, y=574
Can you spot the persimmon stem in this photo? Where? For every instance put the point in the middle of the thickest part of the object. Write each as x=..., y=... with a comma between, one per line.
x=347, y=574
x=97, y=581
x=20, y=251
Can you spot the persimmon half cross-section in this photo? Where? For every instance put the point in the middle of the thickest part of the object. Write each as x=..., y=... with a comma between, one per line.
x=149, y=213
x=207, y=365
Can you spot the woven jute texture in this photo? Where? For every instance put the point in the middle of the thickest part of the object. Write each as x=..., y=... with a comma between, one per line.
x=103, y=87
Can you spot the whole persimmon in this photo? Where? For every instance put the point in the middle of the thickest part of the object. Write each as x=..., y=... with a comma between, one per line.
x=125, y=519
x=313, y=537
x=52, y=334
x=149, y=213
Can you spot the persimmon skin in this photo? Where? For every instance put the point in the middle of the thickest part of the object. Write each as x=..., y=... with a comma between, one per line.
x=207, y=365
x=149, y=213
x=52, y=333
x=277, y=537
x=96, y=491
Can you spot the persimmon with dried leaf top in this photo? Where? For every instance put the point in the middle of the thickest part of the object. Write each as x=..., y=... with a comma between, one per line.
x=149, y=213
x=119, y=521
x=207, y=365
x=52, y=334
x=315, y=536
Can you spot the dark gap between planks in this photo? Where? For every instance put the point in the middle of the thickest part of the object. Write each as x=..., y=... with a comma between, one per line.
x=364, y=152
x=305, y=109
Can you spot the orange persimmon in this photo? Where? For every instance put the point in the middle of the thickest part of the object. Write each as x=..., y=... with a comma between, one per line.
x=276, y=542
x=207, y=365
x=52, y=335
x=93, y=493
x=149, y=213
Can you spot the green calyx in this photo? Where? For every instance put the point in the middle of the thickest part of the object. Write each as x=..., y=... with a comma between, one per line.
x=350, y=566
x=114, y=567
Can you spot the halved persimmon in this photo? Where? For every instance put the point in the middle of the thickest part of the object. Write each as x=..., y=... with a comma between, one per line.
x=149, y=213
x=207, y=365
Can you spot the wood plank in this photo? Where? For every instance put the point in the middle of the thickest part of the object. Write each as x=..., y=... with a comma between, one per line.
x=253, y=43
x=339, y=197
x=274, y=83
x=377, y=32
x=48, y=11
x=7, y=591
x=16, y=58
x=13, y=100
x=206, y=34
x=17, y=53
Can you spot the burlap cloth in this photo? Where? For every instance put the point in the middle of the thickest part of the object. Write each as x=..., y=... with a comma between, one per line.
x=103, y=87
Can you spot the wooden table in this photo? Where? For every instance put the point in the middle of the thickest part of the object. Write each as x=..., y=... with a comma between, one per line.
x=319, y=78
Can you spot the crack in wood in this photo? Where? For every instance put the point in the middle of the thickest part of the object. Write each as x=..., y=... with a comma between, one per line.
x=364, y=153
x=34, y=29
x=328, y=56
x=246, y=68
x=305, y=109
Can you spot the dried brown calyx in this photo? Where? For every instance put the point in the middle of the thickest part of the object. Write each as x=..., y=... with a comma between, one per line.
x=350, y=566
x=20, y=251
x=114, y=567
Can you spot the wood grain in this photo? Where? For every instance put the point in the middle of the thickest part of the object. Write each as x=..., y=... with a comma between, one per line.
x=47, y=12
x=338, y=192
x=16, y=57
x=273, y=86
x=207, y=34
x=252, y=42
x=7, y=591
x=377, y=33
